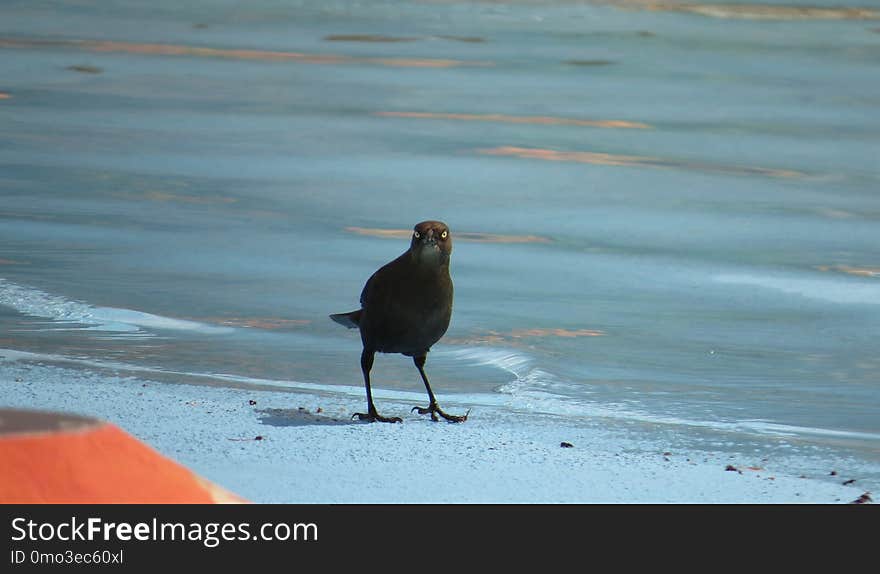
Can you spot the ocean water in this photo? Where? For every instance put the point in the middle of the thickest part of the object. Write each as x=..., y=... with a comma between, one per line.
x=666, y=217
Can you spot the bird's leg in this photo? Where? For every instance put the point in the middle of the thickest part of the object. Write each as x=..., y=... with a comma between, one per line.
x=371, y=415
x=433, y=408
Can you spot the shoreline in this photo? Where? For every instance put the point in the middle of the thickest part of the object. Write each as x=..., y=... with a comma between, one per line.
x=295, y=446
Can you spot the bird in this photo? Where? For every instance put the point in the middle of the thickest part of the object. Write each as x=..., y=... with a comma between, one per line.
x=406, y=307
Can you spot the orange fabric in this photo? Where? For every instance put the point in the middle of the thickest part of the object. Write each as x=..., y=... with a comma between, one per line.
x=98, y=464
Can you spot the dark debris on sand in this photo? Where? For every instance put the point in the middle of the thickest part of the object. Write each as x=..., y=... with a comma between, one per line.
x=863, y=499
x=256, y=438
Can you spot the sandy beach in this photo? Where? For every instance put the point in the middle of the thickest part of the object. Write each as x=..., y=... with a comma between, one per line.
x=295, y=446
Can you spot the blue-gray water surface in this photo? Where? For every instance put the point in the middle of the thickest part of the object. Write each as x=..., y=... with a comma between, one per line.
x=666, y=216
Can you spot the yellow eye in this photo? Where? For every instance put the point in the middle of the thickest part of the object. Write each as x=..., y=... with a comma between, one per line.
x=444, y=234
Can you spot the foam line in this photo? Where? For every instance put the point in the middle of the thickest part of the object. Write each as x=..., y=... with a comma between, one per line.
x=519, y=395
x=37, y=303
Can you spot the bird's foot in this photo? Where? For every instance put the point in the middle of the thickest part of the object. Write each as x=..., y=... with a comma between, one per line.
x=434, y=409
x=373, y=416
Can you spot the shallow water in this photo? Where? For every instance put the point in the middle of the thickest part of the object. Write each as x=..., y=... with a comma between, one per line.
x=664, y=220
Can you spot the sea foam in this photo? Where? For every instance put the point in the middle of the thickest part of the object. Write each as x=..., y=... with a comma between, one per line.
x=80, y=315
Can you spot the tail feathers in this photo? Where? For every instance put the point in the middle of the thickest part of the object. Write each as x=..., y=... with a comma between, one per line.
x=350, y=320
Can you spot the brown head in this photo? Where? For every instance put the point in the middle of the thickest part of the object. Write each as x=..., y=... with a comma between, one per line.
x=431, y=240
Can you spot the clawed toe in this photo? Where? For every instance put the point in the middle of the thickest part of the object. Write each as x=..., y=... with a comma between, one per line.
x=375, y=417
x=434, y=409
x=455, y=418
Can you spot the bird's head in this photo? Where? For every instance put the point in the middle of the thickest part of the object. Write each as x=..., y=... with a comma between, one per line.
x=431, y=241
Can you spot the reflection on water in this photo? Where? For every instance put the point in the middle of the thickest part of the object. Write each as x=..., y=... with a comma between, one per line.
x=235, y=54
x=665, y=213
x=538, y=120
x=627, y=160
x=859, y=271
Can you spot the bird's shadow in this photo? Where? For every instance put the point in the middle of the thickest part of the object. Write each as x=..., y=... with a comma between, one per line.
x=300, y=417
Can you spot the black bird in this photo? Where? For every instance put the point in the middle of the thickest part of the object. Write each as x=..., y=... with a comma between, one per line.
x=405, y=308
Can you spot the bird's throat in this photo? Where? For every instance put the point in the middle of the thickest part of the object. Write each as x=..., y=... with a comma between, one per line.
x=430, y=255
